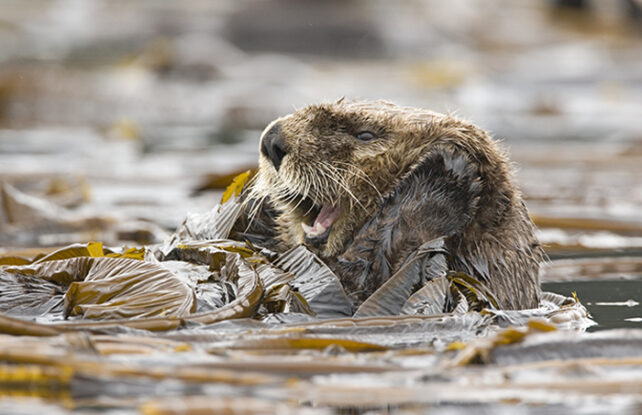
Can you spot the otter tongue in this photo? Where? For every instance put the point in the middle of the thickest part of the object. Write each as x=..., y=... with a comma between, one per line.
x=322, y=222
x=326, y=216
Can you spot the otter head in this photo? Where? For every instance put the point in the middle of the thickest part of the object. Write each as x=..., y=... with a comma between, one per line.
x=326, y=167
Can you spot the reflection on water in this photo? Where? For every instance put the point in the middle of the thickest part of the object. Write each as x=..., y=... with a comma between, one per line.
x=612, y=303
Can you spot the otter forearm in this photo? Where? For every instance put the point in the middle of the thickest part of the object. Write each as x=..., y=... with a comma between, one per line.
x=439, y=199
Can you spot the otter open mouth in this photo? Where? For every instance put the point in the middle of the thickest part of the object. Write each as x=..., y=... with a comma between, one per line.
x=319, y=221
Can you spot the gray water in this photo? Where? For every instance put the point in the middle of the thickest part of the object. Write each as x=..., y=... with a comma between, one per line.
x=612, y=303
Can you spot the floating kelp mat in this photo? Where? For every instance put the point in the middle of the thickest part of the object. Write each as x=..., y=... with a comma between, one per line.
x=207, y=324
x=526, y=366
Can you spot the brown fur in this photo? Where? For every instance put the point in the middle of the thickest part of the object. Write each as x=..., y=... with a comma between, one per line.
x=425, y=175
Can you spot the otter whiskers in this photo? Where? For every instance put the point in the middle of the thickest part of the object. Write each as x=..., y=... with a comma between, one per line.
x=340, y=181
x=358, y=173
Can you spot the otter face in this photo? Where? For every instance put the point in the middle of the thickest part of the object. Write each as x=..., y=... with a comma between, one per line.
x=326, y=167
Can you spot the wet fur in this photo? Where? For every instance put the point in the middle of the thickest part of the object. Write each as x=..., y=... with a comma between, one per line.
x=426, y=175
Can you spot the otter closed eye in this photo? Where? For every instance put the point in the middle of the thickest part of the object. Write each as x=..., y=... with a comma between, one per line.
x=365, y=136
x=365, y=209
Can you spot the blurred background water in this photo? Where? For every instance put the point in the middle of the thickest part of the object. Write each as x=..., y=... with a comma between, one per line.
x=119, y=117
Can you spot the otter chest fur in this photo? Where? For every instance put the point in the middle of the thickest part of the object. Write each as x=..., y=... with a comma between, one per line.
x=364, y=184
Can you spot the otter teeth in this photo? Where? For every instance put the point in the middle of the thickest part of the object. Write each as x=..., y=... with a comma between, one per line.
x=324, y=220
x=315, y=230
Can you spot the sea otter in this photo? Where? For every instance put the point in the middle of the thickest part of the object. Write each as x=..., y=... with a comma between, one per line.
x=364, y=184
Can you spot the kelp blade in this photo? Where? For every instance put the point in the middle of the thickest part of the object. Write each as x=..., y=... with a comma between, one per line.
x=428, y=300
x=112, y=288
x=316, y=282
x=426, y=263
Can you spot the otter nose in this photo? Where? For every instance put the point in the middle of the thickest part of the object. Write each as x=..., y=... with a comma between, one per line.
x=272, y=145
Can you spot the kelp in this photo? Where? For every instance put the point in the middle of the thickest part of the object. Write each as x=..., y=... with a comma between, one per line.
x=201, y=277
x=215, y=181
x=14, y=260
x=91, y=249
x=595, y=268
x=249, y=294
x=28, y=220
x=36, y=376
x=138, y=294
x=423, y=285
x=28, y=295
x=426, y=263
x=390, y=332
x=79, y=357
x=478, y=350
x=237, y=185
x=539, y=341
x=266, y=344
x=221, y=405
x=126, y=288
x=563, y=312
x=282, y=298
x=337, y=370
x=430, y=299
x=110, y=288
x=510, y=363
x=477, y=295
x=215, y=224
x=20, y=327
x=213, y=252
x=599, y=224
x=20, y=208
x=316, y=283
x=121, y=288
